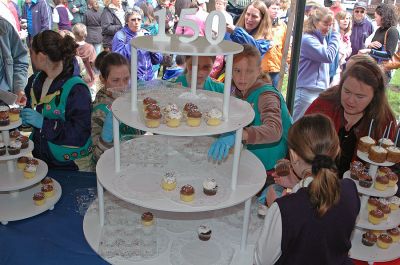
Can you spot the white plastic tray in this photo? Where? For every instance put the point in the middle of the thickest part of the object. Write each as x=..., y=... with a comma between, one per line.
x=11, y=126
x=392, y=221
x=364, y=156
x=389, y=192
x=21, y=153
x=240, y=115
x=20, y=205
x=11, y=181
x=373, y=254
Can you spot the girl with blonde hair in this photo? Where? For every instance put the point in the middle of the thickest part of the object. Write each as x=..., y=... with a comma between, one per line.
x=313, y=225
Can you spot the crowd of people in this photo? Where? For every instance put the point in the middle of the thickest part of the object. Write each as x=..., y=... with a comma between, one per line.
x=80, y=53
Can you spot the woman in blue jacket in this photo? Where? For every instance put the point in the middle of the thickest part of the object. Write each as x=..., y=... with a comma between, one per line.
x=121, y=44
x=58, y=104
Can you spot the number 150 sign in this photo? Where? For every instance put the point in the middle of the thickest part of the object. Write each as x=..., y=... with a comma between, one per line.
x=184, y=22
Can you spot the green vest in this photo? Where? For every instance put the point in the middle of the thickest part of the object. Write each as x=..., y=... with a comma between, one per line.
x=53, y=111
x=209, y=84
x=270, y=153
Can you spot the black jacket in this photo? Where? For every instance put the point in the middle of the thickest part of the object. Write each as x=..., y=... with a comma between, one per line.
x=110, y=24
x=92, y=20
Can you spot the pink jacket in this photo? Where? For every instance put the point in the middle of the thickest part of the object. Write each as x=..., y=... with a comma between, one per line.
x=199, y=18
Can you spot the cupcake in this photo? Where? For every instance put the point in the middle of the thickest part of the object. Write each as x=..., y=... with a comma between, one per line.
x=152, y=107
x=377, y=232
x=193, y=118
x=282, y=167
x=385, y=210
x=187, y=193
x=173, y=118
x=394, y=233
x=383, y=171
x=210, y=187
x=148, y=101
x=356, y=168
x=375, y=216
x=24, y=141
x=381, y=183
x=394, y=203
x=384, y=241
x=365, y=180
x=14, y=134
x=4, y=116
x=168, y=181
x=32, y=161
x=48, y=191
x=147, y=219
x=39, y=198
x=2, y=148
x=14, y=148
x=14, y=114
x=21, y=162
x=188, y=107
x=393, y=179
x=169, y=107
x=47, y=181
x=153, y=119
x=372, y=204
x=365, y=143
x=393, y=154
x=213, y=117
x=377, y=154
x=385, y=142
x=30, y=171
x=369, y=239
x=204, y=232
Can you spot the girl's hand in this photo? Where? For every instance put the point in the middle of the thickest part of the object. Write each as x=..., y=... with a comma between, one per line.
x=288, y=181
x=364, y=51
x=375, y=45
x=230, y=28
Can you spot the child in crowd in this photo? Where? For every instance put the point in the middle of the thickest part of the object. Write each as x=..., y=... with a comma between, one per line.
x=205, y=64
x=115, y=77
x=62, y=16
x=313, y=225
x=266, y=136
x=175, y=70
x=86, y=51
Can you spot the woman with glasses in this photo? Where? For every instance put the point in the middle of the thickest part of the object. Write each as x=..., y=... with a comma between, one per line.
x=384, y=42
x=121, y=44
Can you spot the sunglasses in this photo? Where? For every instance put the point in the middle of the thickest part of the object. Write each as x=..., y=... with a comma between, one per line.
x=135, y=19
x=359, y=11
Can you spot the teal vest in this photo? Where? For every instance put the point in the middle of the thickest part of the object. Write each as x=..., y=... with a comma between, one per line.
x=270, y=153
x=209, y=84
x=53, y=111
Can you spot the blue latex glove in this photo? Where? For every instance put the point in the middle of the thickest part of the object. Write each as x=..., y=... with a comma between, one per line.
x=32, y=117
x=220, y=148
x=107, y=132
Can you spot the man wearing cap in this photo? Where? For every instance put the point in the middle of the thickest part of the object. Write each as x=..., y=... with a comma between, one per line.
x=362, y=27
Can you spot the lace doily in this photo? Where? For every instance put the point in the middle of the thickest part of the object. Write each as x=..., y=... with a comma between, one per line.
x=188, y=249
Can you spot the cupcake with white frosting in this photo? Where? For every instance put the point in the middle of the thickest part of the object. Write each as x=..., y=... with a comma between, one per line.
x=214, y=117
x=210, y=187
x=173, y=118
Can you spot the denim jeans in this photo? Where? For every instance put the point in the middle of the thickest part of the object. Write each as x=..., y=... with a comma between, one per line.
x=303, y=99
x=275, y=78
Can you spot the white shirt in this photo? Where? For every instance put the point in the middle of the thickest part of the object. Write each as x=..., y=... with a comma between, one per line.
x=56, y=16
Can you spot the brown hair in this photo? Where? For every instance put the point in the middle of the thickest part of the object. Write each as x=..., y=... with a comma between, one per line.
x=316, y=15
x=314, y=139
x=368, y=72
x=264, y=29
x=342, y=15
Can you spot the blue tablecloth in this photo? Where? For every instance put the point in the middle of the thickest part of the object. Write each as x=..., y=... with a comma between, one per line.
x=53, y=237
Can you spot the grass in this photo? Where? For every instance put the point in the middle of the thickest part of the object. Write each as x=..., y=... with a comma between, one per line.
x=393, y=92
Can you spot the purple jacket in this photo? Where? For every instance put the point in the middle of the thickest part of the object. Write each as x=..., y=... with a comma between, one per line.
x=315, y=57
x=41, y=16
x=359, y=34
x=146, y=60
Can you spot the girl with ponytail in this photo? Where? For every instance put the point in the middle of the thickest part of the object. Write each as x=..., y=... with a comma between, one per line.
x=58, y=104
x=314, y=224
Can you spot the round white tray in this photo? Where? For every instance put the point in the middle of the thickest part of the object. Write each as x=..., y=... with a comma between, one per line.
x=11, y=126
x=139, y=183
x=389, y=192
x=373, y=254
x=241, y=113
x=21, y=153
x=15, y=180
x=19, y=205
x=392, y=221
x=200, y=46
x=364, y=156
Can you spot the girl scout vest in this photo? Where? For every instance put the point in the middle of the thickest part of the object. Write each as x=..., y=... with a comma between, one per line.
x=54, y=108
x=269, y=153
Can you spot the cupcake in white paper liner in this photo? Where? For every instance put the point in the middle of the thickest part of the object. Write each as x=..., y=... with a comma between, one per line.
x=188, y=249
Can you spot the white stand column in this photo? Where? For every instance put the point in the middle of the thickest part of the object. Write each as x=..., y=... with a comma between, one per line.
x=236, y=157
x=246, y=219
x=193, y=81
x=133, y=79
x=100, y=197
x=227, y=85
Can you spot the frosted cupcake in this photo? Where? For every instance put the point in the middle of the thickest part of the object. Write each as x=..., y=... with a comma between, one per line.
x=153, y=119
x=2, y=149
x=204, y=232
x=14, y=148
x=210, y=187
x=30, y=171
x=169, y=107
x=365, y=143
x=173, y=118
x=4, y=116
x=168, y=182
x=386, y=142
x=48, y=191
x=214, y=117
x=394, y=203
x=194, y=118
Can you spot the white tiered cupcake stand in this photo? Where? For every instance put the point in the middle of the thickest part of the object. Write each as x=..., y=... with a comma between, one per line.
x=16, y=191
x=242, y=182
x=358, y=250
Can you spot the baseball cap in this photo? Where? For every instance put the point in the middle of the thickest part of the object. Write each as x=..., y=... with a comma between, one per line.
x=319, y=3
x=359, y=4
